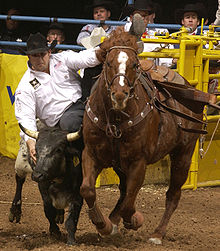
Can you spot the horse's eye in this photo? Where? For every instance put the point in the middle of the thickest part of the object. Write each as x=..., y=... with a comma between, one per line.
x=108, y=64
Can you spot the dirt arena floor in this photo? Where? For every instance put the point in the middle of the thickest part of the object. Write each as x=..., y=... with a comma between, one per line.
x=194, y=226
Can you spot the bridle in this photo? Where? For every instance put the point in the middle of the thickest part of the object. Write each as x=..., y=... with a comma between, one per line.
x=130, y=84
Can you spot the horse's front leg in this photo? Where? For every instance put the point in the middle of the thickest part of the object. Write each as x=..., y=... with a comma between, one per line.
x=133, y=219
x=88, y=192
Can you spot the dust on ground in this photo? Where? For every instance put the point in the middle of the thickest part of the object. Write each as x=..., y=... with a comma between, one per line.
x=194, y=226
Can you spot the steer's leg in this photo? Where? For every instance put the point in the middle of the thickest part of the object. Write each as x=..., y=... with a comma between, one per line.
x=22, y=168
x=15, y=210
x=87, y=190
x=180, y=163
x=72, y=219
x=75, y=206
x=49, y=210
x=133, y=219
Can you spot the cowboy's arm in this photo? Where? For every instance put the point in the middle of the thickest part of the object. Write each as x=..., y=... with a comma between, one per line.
x=25, y=111
x=82, y=59
x=25, y=114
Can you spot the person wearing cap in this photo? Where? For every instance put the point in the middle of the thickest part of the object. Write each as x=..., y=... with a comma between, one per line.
x=101, y=11
x=50, y=89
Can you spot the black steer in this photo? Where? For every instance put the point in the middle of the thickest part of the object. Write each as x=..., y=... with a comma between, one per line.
x=58, y=179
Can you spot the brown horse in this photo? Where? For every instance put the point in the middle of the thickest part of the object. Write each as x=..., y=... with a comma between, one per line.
x=126, y=126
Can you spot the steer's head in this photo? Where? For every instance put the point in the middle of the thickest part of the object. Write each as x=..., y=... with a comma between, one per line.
x=52, y=153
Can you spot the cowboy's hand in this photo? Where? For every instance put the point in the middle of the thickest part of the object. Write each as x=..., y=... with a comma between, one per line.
x=31, y=147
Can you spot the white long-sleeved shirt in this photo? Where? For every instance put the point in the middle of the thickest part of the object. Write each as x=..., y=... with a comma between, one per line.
x=47, y=96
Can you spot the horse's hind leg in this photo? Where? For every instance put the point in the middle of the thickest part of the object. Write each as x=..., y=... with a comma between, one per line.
x=115, y=216
x=180, y=163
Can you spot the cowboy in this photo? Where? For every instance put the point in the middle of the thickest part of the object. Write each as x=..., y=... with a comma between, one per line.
x=190, y=17
x=101, y=11
x=50, y=89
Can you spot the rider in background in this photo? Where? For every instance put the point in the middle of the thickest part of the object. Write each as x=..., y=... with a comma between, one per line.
x=145, y=9
x=102, y=10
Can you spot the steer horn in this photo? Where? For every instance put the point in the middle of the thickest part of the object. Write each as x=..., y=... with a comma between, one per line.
x=30, y=133
x=73, y=136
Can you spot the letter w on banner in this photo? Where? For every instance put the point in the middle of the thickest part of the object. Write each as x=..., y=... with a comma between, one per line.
x=12, y=68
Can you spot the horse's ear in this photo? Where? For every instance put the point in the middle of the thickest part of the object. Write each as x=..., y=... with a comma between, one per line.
x=101, y=54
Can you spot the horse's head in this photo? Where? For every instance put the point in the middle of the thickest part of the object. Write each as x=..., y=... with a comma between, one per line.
x=120, y=67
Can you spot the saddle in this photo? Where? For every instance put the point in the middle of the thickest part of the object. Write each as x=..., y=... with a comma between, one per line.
x=177, y=85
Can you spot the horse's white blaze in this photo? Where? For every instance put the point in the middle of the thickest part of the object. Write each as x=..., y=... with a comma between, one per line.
x=122, y=60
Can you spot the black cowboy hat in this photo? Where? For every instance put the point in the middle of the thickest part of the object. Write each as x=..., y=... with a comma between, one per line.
x=37, y=43
x=198, y=8
x=56, y=26
x=144, y=5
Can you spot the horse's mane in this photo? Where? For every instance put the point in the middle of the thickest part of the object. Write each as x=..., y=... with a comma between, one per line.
x=117, y=38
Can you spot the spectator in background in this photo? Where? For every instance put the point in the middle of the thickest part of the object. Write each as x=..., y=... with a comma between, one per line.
x=190, y=17
x=217, y=20
x=102, y=10
x=12, y=31
x=56, y=31
x=153, y=8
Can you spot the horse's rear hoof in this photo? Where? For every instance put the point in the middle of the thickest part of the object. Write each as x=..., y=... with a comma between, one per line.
x=156, y=241
x=107, y=229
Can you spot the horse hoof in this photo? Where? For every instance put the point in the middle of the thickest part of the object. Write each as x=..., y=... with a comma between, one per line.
x=137, y=220
x=107, y=229
x=156, y=241
x=114, y=229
